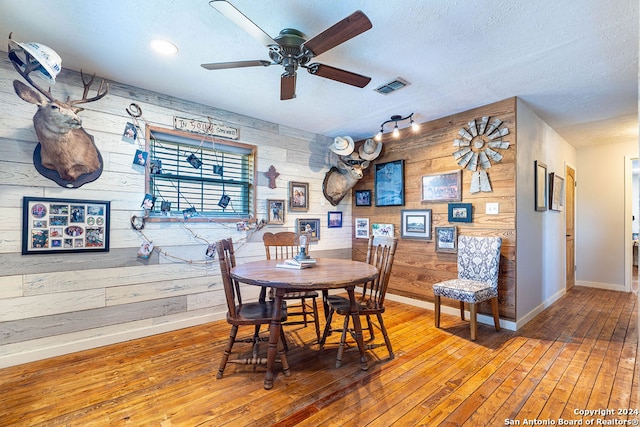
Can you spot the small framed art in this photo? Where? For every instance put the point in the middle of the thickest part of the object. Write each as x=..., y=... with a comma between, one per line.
x=416, y=224
x=556, y=192
x=460, y=212
x=541, y=185
x=275, y=211
x=299, y=196
x=382, y=230
x=363, y=197
x=442, y=187
x=309, y=226
x=334, y=219
x=64, y=225
x=447, y=239
x=389, y=184
x=362, y=228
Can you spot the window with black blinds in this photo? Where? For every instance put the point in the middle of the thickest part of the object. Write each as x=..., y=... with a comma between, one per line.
x=200, y=177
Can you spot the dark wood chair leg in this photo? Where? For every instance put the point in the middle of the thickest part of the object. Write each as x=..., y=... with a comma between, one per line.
x=462, y=309
x=387, y=341
x=343, y=340
x=473, y=312
x=436, y=316
x=227, y=350
x=496, y=313
x=327, y=328
x=316, y=321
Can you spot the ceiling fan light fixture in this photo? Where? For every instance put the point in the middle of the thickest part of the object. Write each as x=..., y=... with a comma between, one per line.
x=163, y=47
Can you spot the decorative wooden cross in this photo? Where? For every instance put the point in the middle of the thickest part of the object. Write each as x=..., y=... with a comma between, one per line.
x=272, y=175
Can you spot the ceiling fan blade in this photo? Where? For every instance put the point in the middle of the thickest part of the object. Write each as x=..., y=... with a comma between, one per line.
x=287, y=86
x=235, y=64
x=338, y=75
x=238, y=18
x=349, y=27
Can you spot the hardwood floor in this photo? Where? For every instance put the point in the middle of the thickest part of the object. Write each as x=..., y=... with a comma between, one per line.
x=580, y=354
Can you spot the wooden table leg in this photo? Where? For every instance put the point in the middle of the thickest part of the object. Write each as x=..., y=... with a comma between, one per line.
x=357, y=327
x=276, y=346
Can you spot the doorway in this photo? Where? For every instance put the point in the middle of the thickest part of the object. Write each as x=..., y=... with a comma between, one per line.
x=631, y=222
x=570, y=226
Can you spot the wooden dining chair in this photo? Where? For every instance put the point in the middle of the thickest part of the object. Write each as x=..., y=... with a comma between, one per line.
x=380, y=253
x=478, y=268
x=244, y=313
x=285, y=245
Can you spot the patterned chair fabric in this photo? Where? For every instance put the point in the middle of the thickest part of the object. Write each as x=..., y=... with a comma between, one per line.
x=478, y=268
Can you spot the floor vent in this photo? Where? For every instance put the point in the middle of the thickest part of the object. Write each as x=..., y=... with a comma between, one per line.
x=392, y=86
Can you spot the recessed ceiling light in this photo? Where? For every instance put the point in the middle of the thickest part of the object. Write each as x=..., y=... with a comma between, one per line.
x=164, y=47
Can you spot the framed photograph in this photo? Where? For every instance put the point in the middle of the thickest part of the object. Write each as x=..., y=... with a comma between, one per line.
x=363, y=197
x=540, y=186
x=556, y=192
x=275, y=211
x=442, y=187
x=416, y=224
x=299, y=196
x=383, y=230
x=334, y=219
x=389, y=184
x=309, y=226
x=447, y=239
x=460, y=212
x=362, y=228
x=64, y=225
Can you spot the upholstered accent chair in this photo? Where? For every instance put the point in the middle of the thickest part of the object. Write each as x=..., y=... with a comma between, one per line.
x=478, y=268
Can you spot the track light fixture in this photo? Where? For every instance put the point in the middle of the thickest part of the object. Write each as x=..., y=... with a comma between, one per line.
x=395, y=119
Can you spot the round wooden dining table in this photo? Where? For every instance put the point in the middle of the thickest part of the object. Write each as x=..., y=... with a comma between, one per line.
x=326, y=274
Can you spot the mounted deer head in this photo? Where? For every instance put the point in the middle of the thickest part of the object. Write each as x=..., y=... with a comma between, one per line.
x=65, y=147
x=342, y=177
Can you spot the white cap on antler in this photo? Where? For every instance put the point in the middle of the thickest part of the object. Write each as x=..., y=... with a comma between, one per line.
x=342, y=145
x=50, y=62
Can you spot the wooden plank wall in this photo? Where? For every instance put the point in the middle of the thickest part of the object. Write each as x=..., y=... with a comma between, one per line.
x=417, y=266
x=52, y=304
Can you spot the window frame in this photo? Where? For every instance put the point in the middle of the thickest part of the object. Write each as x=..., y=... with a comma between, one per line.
x=197, y=139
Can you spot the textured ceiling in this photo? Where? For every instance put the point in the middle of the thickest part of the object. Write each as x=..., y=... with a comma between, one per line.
x=575, y=64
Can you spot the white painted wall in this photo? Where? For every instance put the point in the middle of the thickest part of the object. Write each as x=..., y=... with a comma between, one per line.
x=541, y=244
x=600, y=238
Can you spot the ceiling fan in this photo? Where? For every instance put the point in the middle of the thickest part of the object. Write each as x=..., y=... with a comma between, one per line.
x=291, y=50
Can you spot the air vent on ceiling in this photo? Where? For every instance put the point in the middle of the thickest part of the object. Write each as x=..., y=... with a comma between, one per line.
x=392, y=86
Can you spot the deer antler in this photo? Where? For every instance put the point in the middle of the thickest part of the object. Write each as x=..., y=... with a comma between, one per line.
x=87, y=85
x=29, y=67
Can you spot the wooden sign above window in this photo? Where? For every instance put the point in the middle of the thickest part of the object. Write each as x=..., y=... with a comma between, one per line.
x=207, y=128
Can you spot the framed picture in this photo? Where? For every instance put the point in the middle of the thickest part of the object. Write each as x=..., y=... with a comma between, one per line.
x=540, y=186
x=362, y=228
x=334, y=219
x=389, y=184
x=416, y=224
x=442, y=187
x=299, y=196
x=447, y=239
x=556, y=192
x=460, y=212
x=275, y=211
x=309, y=226
x=363, y=197
x=64, y=225
x=383, y=230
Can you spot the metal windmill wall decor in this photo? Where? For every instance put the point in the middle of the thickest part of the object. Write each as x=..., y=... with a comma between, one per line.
x=476, y=149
